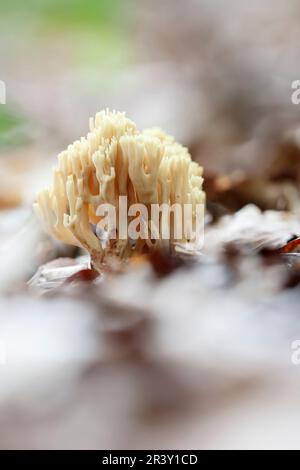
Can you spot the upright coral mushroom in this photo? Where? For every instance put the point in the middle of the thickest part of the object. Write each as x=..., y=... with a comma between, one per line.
x=114, y=160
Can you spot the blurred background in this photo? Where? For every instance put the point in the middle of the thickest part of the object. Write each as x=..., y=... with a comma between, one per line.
x=112, y=368
x=215, y=74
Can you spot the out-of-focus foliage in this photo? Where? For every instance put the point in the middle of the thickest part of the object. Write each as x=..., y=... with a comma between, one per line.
x=12, y=128
x=67, y=13
x=63, y=61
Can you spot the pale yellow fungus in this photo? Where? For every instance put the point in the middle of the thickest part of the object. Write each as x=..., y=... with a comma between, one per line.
x=115, y=159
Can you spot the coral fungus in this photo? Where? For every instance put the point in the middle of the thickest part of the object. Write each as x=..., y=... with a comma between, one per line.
x=116, y=160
